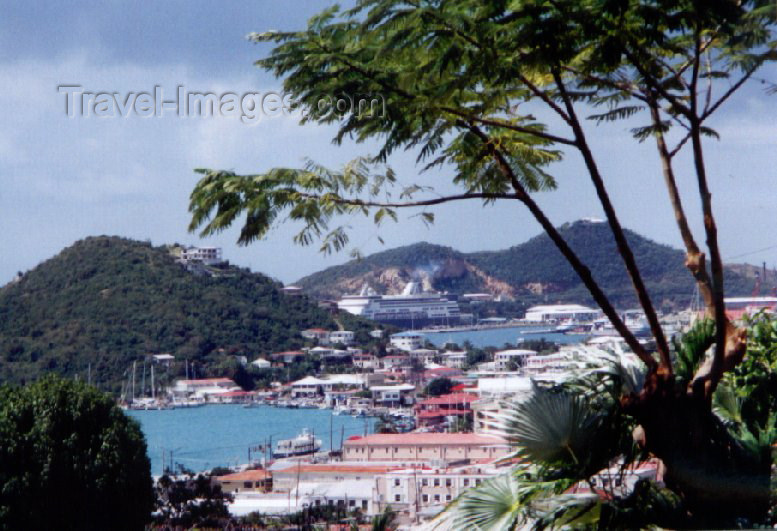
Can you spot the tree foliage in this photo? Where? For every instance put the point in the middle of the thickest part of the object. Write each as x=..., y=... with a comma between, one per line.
x=70, y=459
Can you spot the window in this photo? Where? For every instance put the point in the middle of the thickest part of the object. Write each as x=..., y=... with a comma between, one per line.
x=364, y=505
x=477, y=482
x=351, y=503
x=425, y=498
x=437, y=497
x=436, y=482
x=447, y=497
x=448, y=482
x=397, y=497
x=396, y=482
x=466, y=482
x=425, y=482
x=246, y=484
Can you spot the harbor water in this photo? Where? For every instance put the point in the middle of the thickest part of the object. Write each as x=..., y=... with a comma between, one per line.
x=498, y=337
x=220, y=435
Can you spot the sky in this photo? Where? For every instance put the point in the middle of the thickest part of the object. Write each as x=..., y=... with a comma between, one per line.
x=65, y=177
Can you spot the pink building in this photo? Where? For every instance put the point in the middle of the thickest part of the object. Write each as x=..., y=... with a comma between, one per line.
x=414, y=447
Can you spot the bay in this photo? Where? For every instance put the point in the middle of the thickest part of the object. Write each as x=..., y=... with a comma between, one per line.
x=498, y=337
x=220, y=435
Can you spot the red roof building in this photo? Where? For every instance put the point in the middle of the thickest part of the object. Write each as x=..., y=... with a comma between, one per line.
x=434, y=411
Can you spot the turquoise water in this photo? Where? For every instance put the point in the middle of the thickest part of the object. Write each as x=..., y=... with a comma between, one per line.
x=220, y=435
x=497, y=337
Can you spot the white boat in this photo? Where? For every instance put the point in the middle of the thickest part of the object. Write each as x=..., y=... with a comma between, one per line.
x=303, y=444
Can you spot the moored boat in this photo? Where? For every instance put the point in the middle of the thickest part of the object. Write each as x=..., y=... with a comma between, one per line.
x=303, y=444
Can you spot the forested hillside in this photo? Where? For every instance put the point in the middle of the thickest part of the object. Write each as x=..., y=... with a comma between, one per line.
x=533, y=271
x=106, y=301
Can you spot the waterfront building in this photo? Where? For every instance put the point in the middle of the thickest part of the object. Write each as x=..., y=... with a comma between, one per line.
x=422, y=447
x=503, y=387
x=247, y=480
x=503, y=359
x=393, y=395
x=556, y=313
x=205, y=388
x=311, y=386
x=285, y=479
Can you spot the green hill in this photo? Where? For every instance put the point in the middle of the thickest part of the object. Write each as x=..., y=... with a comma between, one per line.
x=106, y=301
x=532, y=272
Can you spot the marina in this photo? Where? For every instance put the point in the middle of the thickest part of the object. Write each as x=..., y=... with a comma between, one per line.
x=220, y=435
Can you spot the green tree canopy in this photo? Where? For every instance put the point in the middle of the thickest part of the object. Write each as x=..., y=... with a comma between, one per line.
x=439, y=386
x=70, y=459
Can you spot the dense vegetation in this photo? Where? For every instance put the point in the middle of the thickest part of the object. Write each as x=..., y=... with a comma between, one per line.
x=70, y=459
x=537, y=264
x=107, y=301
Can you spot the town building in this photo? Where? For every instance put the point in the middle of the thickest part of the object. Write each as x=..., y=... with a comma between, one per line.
x=424, y=355
x=454, y=359
x=247, y=480
x=201, y=255
x=407, y=341
x=435, y=411
x=556, y=313
x=346, y=337
x=505, y=359
x=393, y=395
x=311, y=386
x=261, y=363
x=206, y=388
x=280, y=359
x=422, y=447
x=316, y=334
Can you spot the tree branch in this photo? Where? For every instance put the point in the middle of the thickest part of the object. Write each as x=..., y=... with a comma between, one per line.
x=580, y=268
x=620, y=238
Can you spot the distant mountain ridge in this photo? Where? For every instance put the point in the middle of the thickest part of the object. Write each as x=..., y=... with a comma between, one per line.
x=534, y=271
x=106, y=301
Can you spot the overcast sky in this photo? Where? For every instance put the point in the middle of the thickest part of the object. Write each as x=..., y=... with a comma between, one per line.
x=63, y=178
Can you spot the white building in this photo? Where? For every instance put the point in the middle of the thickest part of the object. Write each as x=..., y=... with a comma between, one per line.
x=407, y=341
x=261, y=363
x=424, y=355
x=202, y=255
x=454, y=359
x=393, y=395
x=504, y=358
x=317, y=334
x=205, y=388
x=346, y=337
x=556, y=313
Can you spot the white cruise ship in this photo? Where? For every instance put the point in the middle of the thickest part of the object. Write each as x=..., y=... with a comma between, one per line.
x=412, y=309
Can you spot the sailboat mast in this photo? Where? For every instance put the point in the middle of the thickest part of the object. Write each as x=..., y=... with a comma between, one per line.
x=152, y=381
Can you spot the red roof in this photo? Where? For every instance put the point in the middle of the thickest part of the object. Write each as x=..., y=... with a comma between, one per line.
x=442, y=413
x=317, y=330
x=462, y=387
x=453, y=398
x=247, y=475
x=431, y=439
x=289, y=353
x=323, y=468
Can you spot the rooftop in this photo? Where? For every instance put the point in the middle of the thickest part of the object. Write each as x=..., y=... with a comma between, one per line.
x=246, y=475
x=426, y=439
x=452, y=398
